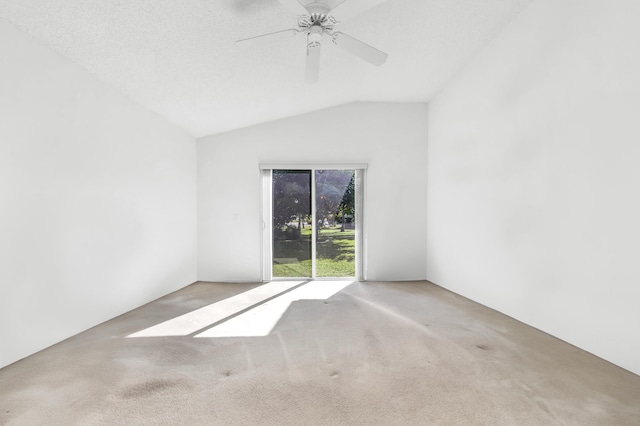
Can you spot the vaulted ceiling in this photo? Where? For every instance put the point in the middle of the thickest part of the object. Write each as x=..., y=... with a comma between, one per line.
x=179, y=57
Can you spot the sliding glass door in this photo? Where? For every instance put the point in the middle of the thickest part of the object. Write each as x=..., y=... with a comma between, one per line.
x=292, y=223
x=335, y=226
x=314, y=218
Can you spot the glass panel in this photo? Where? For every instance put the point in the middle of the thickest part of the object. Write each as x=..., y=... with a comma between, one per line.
x=291, y=223
x=335, y=230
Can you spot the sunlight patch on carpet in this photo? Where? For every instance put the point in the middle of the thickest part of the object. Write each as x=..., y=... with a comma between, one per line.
x=193, y=321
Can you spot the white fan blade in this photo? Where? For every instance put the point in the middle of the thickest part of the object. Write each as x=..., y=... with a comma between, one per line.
x=268, y=38
x=312, y=72
x=348, y=9
x=359, y=48
x=295, y=7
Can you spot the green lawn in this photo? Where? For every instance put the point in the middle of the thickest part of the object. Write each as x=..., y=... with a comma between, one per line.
x=335, y=254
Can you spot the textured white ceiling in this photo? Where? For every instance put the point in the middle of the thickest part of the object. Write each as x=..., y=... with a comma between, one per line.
x=178, y=57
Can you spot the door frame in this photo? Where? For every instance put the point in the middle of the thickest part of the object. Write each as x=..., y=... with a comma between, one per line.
x=266, y=221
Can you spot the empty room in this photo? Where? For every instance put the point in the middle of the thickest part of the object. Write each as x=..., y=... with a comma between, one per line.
x=319, y=212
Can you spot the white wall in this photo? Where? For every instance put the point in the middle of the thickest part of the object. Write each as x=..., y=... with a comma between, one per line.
x=391, y=138
x=97, y=200
x=533, y=176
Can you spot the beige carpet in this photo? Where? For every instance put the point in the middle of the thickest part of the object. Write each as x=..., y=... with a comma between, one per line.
x=373, y=354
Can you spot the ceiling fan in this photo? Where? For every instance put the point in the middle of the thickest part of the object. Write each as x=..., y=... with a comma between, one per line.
x=315, y=20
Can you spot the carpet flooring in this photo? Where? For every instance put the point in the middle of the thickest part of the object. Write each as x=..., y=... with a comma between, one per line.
x=375, y=353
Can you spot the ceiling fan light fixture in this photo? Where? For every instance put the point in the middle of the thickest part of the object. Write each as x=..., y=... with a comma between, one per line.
x=317, y=23
x=315, y=33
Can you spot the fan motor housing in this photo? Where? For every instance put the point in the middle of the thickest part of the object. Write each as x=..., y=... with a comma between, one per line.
x=324, y=22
